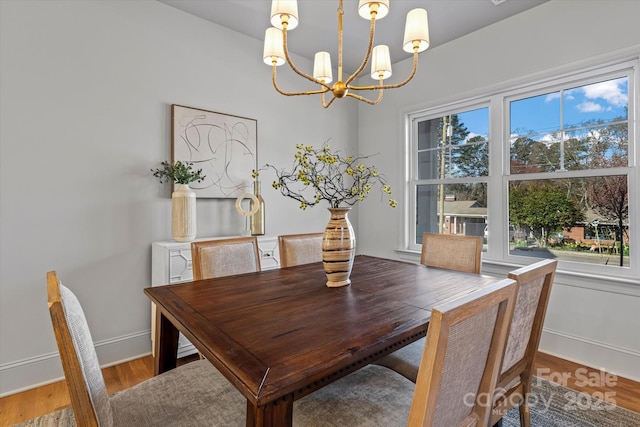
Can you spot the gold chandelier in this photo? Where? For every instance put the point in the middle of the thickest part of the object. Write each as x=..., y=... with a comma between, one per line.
x=284, y=17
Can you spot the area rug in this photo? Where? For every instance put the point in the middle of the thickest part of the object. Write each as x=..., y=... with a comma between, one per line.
x=551, y=406
x=557, y=406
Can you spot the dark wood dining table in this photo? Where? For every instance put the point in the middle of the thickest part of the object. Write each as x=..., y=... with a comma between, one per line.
x=281, y=334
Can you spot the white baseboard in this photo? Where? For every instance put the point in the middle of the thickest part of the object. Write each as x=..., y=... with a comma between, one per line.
x=617, y=360
x=36, y=371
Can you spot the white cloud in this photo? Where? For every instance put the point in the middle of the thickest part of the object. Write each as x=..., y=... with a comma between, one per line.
x=550, y=139
x=550, y=97
x=473, y=135
x=594, y=134
x=610, y=91
x=589, y=107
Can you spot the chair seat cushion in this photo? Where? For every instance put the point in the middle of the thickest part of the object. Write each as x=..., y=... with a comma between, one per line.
x=371, y=396
x=195, y=394
x=406, y=360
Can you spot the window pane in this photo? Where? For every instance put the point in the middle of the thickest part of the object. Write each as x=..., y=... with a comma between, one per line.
x=476, y=122
x=454, y=146
x=464, y=207
x=531, y=156
x=602, y=103
x=429, y=164
x=470, y=159
x=537, y=115
x=594, y=132
x=577, y=219
x=597, y=147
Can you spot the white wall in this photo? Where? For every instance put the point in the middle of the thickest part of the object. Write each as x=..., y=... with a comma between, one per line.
x=591, y=320
x=85, y=114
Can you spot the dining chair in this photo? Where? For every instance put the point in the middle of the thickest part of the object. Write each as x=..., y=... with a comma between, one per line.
x=449, y=251
x=296, y=249
x=452, y=251
x=194, y=394
x=224, y=257
x=514, y=382
x=460, y=363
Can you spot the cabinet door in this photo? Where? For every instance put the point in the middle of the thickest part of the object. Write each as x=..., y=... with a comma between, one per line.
x=180, y=268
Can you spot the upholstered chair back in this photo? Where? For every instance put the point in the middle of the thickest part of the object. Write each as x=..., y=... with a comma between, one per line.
x=452, y=251
x=534, y=289
x=531, y=305
x=87, y=388
x=296, y=249
x=462, y=357
x=224, y=257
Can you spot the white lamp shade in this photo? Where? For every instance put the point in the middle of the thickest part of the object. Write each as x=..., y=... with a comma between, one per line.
x=322, y=67
x=417, y=28
x=364, y=8
x=380, y=62
x=284, y=7
x=273, y=47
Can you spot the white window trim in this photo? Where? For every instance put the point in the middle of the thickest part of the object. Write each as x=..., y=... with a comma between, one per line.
x=497, y=98
x=412, y=161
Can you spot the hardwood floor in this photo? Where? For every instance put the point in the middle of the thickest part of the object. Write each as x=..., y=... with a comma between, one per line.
x=52, y=397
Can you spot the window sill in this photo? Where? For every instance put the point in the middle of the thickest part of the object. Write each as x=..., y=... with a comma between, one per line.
x=605, y=283
x=621, y=285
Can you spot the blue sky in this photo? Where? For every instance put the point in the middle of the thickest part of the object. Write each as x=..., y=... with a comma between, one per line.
x=541, y=114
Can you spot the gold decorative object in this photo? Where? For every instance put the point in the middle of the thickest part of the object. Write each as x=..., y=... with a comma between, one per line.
x=257, y=219
x=253, y=208
x=284, y=17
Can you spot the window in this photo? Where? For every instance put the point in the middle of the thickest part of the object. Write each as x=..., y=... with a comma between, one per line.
x=450, y=173
x=557, y=173
x=569, y=172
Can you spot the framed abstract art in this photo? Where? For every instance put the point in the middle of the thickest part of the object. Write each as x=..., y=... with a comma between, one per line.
x=224, y=146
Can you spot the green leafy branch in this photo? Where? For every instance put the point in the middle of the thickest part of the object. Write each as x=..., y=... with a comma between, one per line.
x=178, y=173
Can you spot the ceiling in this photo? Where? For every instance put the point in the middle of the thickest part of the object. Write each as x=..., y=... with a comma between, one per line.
x=318, y=27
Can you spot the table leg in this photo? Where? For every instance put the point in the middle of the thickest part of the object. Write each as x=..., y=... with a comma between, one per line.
x=279, y=414
x=166, y=344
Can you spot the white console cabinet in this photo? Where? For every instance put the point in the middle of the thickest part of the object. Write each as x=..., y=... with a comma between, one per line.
x=171, y=263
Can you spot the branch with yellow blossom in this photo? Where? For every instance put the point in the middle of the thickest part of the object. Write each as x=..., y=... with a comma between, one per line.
x=341, y=181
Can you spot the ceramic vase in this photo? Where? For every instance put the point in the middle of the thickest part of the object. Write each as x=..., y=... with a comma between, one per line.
x=183, y=213
x=338, y=248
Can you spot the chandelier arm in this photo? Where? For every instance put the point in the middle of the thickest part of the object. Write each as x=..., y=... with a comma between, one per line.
x=368, y=101
x=294, y=68
x=372, y=30
x=393, y=86
x=333, y=98
x=282, y=92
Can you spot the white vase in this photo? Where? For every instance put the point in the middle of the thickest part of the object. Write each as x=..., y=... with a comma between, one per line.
x=183, y=214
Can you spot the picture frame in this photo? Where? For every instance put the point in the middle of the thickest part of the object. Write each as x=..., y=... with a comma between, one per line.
x=224, y=146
